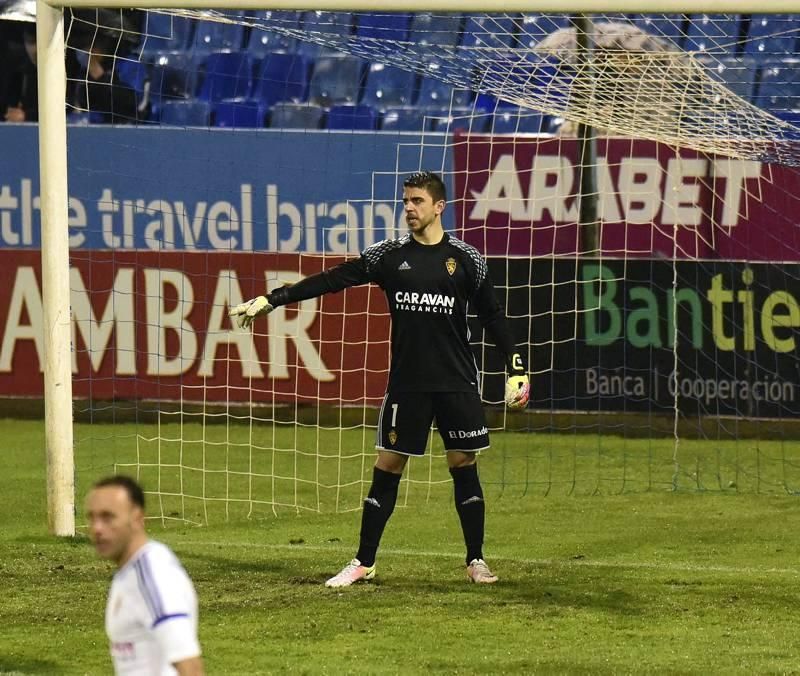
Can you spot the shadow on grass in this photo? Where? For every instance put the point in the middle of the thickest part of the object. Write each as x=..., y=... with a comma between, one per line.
x=28, y=665
x=542, y=589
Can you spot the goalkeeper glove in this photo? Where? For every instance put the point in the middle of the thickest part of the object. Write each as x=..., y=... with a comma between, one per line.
x=518, y=386
x=246, y=312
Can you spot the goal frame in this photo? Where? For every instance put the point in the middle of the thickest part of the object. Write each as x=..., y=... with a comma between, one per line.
x=54, y=185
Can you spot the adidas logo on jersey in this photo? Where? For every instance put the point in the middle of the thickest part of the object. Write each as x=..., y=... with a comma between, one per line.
x=404, y=266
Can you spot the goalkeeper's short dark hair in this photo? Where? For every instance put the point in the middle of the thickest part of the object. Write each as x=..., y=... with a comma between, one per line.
x=429, y=181
x=133, y=489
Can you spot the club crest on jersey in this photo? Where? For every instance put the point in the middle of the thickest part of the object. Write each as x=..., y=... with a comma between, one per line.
x=450, y=264
x=392, y=437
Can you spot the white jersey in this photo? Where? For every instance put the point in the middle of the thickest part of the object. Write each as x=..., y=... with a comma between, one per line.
x=151, y=614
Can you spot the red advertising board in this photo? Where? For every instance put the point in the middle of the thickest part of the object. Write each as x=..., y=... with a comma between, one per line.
x=517, y=196
x=150, y=325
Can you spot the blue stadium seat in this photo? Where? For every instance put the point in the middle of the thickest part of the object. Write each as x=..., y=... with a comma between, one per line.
x=262, y=41
x=434, y=93
x=336, y=79
x=672, y=27
x=533, y=27
x=228, y=75
x=405, y=119
x=738, y=73
x=389, y=86
x=383, y=26
x=288, y=115
x=352, y=116
x=164, y=33
x=443, y=30
x=459, y=119
x=772, y=35
x=790, y=116
x=135, y=74
x=779, y=88
x=78, y=118
x=239, y=113
x=491, y=104
x=716, y=33
x=518, y=121
x=173, y=75
x=192, y=113
x=322, y=24
x=281, y=77
x=490, y=31
x=214, y=36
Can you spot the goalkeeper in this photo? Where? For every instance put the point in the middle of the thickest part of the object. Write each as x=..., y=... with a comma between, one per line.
x=431, y=281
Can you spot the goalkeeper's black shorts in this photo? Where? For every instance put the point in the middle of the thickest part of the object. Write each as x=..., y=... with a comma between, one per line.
x=406, y=417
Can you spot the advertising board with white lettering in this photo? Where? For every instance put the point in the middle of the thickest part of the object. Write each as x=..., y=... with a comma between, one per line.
x=162, y=189
x=518, y=196
x=155, y=325
x=606, y=335
x=165, y=189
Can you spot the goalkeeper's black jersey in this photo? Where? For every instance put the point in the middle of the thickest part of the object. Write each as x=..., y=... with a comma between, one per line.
x=430, y=289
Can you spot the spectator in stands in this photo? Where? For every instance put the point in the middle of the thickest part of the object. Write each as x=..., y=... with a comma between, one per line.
x=99, y=90
x=97, y=38
x=19, y=99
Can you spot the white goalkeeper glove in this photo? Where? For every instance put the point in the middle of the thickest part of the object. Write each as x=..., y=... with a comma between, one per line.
x=518, y=386
x=246, y=312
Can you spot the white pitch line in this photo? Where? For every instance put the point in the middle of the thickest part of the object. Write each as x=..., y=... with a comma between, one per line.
x=550, y=563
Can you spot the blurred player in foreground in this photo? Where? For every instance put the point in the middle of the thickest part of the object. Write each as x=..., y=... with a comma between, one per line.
x=151, y=613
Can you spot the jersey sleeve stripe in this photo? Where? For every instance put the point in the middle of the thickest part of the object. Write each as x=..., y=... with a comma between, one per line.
x=148, y=588
x=164, y=618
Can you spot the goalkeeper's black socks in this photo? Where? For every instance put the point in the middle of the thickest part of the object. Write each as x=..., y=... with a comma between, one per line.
x=470, y=507
x=378, y=507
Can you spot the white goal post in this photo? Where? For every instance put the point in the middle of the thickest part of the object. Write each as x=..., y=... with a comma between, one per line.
x=54, y=190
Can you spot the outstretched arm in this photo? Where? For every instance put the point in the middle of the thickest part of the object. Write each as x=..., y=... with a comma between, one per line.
x=494, y=322
x=350, y=273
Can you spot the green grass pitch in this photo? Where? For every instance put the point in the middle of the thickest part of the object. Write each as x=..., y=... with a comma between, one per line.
x=603, y=568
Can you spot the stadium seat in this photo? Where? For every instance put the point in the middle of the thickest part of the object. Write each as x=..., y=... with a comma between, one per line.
x=79, y=119
x=263, y=41
x=227, y=75
x=281, y=77
x=383, y=26
x=164, y=33
x=790, y=116
x=490, y=31
x=173, y=76
x=491, y=104
x=531, y=28
x=135, y=74
x=331, y=24
x=389, y=86
x=736, y=72
x=214, y=36
x=434, y=93
x=671, y=27
x=336, y=79
x=288, y=115
x=779, y=87
x=459, y=119
x=352, y=116
x=715, y=33
x=517, y=121
x=191, y=113
x=239, y=113
x=772, y=35
x=443, y=30
x=405, y=119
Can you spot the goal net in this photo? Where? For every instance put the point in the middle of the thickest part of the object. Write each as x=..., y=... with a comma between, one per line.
x=631, y=179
